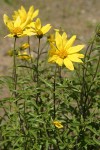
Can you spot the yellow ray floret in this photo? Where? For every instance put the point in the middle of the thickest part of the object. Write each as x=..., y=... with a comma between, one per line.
x=63, y=51
x=30, y=15
x=37, y=29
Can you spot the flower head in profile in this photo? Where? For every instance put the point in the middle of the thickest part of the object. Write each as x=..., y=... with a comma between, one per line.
x=37, y=29
x=24, y=46
x=24, y=15
x=20, y=22
x=16, y=27
x=24, y=56
x=11, y=52
x=63, y=51
x=58, y=124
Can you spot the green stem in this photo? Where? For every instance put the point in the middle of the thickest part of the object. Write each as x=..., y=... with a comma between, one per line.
x=54, y=94
x=60, y=74
x=32, y=65
x=42, y=52
x=29, y=46
x=37, y=67
x=14, y=69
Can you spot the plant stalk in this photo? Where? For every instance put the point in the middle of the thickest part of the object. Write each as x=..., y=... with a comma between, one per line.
x=14, y=69
x=37, y=70
x=54, y=94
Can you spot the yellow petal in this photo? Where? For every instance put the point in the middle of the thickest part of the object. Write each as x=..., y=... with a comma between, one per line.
x=22, y=13
x=38, y=23
x=75, y=49
x=8, y=22
x=64, y=39
x=30, y=12
x=29, y=32
x=58, y=124
x=59, y=61
x=15, y=15
x=6, y=19
x=32, y=24
x=56, y=59
x=80, y=55
x=23, y=10
x=52, y=46
x=70, y=42
x=35, y=14
x=53, y=58
x=68, y=64
x=52, y=51
x=74, y=58
x=24, y=24
x=46, y=28
x=10, y=35
x=58, y=40
x=17, y=22
x=64, y=35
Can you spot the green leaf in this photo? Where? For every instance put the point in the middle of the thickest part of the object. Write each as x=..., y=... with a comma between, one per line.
x=93, y=130
x=47, y=145
x=46, y=82
x=96, y=141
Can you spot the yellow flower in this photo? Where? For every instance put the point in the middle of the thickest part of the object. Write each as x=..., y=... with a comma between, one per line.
x=39, y=30
x=21, y=20
x=24, y=46
x=24, y=56
x=16, y=27
x=58, y=124
x=63, y=51
x=11, y=52
x=30, y=15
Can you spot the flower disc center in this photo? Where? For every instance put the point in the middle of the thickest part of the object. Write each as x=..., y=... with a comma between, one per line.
x=17, y=31
x=62, y=54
